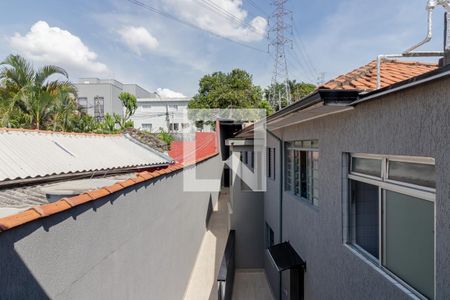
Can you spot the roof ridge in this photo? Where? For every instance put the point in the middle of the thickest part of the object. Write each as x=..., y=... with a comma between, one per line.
x=5, y=129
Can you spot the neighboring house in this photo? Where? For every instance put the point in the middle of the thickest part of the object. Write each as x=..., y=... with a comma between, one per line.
x=90, y=216
x=101, y=96
x=156, y=113
x=356, y=205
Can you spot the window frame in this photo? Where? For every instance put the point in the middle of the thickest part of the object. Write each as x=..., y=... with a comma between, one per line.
x=294, y=146
x=385, y=184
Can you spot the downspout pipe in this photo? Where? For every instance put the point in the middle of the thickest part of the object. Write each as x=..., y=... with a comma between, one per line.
x=281, y=193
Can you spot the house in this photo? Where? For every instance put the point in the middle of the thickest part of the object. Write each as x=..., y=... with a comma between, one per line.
x=156, y=113
x=356, y=205
x=98, y=97
x=90, y=216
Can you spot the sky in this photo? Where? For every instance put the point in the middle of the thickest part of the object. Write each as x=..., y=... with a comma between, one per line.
x=122, y=40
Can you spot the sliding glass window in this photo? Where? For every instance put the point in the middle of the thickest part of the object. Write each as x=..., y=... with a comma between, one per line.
x=391, y=216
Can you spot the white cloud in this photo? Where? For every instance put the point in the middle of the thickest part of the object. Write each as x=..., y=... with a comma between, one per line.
x=53, y=45
x=167, y=93
x=225, y=18
x=138, y=39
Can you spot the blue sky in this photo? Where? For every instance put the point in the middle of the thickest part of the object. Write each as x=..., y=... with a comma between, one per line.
x=115, y=38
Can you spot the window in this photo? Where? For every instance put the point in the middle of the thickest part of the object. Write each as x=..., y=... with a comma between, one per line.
x=270, y=152
x=269, y=236
x=302, y=170
x=174, y=126
x=99, y=107
x=391, y=216
x=146, y=106
x=147, y=126
x=83, y=104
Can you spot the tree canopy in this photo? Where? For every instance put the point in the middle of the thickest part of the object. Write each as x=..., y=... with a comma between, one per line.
x=228, y=90
x=298, y=90
x=44, y=98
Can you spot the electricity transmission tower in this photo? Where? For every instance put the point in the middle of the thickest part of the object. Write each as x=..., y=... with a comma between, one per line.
x=279, y=94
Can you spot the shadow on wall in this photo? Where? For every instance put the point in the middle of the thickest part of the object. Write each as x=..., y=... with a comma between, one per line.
x=16, y=280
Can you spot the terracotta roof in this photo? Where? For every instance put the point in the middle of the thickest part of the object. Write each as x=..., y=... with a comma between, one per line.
x=206, y=152
x=392, y=71
x=203, y=144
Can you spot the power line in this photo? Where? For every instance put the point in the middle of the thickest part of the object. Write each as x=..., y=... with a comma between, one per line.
x=228, y=15
x=252, y=3
x=169, y=16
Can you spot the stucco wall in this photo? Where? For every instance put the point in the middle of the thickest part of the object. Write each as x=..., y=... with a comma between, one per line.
x=415, y=122
x=140, y=243
x=247, y=218
x=272, y=214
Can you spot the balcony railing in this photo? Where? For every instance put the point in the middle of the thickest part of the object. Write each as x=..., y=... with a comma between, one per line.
x=225, y=278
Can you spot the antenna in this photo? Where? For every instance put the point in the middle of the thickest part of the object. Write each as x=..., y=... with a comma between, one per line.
x=279, y=97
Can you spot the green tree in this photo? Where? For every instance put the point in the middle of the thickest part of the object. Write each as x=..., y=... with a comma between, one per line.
x=298, y=90
x=227, y=90
x=29, y=95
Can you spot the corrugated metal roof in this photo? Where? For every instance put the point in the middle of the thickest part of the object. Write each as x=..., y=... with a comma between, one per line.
x=30, y=154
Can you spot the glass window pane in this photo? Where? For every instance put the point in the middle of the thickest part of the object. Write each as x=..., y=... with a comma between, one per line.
x=366, y=166
x=409, y=240
x=420, y=174
x=365, y=216
x=297, y=173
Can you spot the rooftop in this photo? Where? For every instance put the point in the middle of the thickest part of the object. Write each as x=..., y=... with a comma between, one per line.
x=392, y=71
x=20, y=205
x=28, y=154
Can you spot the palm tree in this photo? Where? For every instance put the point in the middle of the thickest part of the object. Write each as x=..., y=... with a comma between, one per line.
x=31, y=91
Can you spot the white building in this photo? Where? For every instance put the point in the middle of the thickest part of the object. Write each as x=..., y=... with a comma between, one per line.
x=157, y=112
x=101, y=96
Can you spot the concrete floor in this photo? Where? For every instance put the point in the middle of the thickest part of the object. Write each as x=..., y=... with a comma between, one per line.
x=251, y=285
x=202, y=284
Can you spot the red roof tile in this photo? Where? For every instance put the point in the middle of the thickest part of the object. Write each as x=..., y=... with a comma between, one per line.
x=392, y=71
x=204, y=145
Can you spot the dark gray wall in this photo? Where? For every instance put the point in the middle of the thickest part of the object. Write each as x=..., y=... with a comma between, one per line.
x=415, y=122
x=140, y=243
x=247, y=218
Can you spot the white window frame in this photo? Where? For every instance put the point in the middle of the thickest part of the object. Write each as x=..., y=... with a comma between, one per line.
x=384, y=184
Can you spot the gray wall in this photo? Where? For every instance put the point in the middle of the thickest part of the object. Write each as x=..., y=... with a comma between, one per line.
x=109, y=91
x=415, y=122
x=247, y=218
x=272, y=214
x=140, y=243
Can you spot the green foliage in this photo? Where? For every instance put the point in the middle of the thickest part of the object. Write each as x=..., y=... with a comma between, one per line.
x=166, y=137
x=298, y=90
x=232, y=90
x=30, y=99
x=130, y=103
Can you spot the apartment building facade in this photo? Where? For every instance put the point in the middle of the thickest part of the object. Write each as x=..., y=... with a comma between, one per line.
x=156, y=113
x=98, y=97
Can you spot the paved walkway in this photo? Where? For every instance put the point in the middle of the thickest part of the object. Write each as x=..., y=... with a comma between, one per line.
x=202, y=284
x=251, y=285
